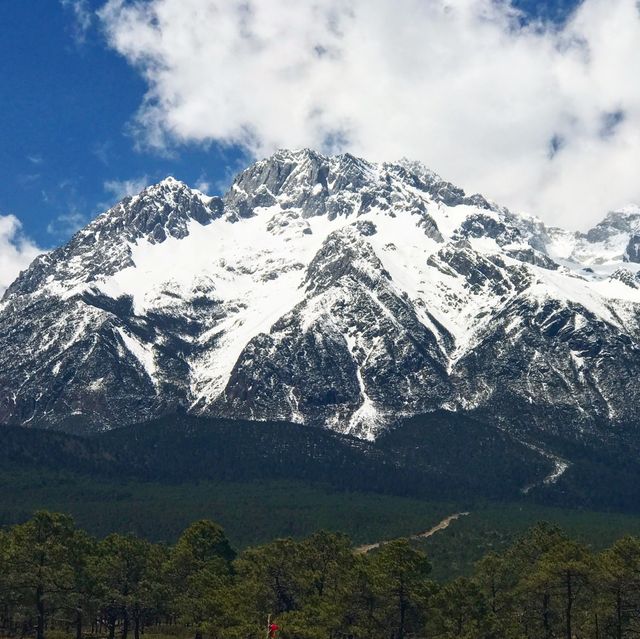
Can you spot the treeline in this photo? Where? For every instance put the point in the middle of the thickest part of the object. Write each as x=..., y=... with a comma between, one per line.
x=57, y=580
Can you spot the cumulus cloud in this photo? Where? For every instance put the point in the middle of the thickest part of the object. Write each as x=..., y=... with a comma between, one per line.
x=539, y=117
x=16, y=250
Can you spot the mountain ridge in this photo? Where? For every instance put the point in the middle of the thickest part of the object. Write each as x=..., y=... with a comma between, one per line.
x=330, y=291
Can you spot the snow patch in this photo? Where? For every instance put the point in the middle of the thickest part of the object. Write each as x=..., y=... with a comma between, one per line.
x=141, y=352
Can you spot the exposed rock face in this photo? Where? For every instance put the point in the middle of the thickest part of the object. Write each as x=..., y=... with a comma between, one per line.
x=339, y=357
x=330, y=291
x=70, y=350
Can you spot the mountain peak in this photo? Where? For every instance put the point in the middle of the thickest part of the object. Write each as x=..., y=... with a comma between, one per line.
x=626, y=218
x=322, y=289
x=103, y=247
x=420, y=169
x=171, y=181
x=618, y=234
x=168, y=185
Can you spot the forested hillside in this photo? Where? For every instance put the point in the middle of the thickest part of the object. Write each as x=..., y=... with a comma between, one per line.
x=418, y=459
x=266, y=480
x=58, y=581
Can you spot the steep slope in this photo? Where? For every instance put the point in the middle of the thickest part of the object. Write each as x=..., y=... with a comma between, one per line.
x=71, y=351
x=328, y=291
x=340, y=355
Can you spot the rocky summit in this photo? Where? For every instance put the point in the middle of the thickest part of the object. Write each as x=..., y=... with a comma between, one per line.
x=329, y=291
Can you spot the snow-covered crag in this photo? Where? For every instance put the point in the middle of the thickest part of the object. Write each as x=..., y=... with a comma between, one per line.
x=330, y=291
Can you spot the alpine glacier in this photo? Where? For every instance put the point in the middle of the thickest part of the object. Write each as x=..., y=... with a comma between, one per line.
x=330, y=291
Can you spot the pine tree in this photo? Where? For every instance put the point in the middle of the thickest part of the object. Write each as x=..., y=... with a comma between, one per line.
x=399, y=574
x=38, y=560
x=200, y=573
x=120, y=570
x=619, y=588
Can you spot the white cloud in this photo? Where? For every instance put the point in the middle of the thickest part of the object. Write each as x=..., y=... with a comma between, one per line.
x=16, y=250
x=540, y=118
x=120, y=189
x=82, y=18
x=203, y=185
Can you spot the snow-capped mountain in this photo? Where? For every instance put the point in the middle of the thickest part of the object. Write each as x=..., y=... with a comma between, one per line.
x=330, y=291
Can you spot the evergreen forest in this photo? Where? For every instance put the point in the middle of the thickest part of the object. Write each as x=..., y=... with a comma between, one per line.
x=58, y=582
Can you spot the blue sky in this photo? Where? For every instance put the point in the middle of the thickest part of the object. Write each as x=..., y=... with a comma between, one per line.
x=66, y=103
x=555, y=10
